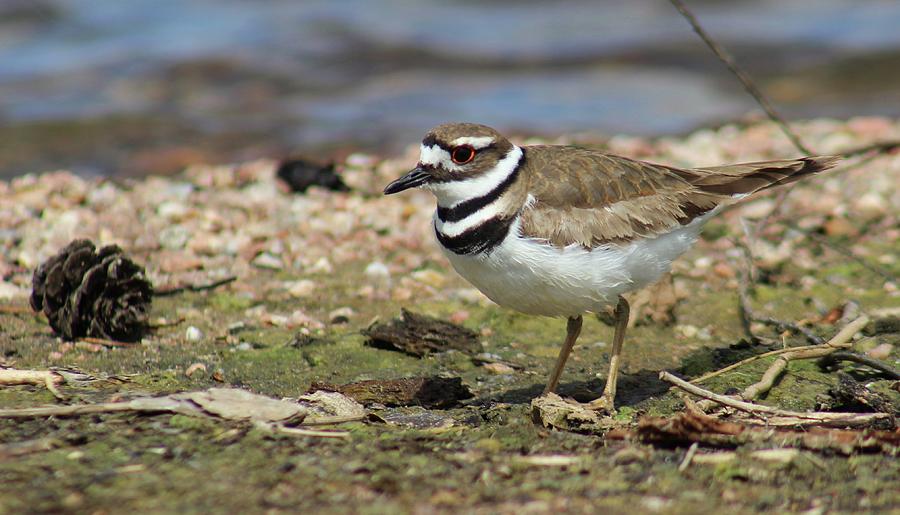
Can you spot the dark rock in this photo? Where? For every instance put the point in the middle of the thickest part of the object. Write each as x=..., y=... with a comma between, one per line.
x=88, y=292
x=428, y=392
x=301, y=174
x=884, y=325
x=419, y=335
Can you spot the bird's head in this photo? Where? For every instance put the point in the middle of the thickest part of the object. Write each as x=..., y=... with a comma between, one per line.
x=453, y=155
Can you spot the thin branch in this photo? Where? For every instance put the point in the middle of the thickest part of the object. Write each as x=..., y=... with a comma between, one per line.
x=107, y=343
x=299, y=431
x=327, y=421
x=884, y=147
x=173, y=323
x=775, y=415
x=741, y=75
x=10, y=376
x=688, y=457
x=173, y=290
x=65, y=411
x=15, y=449
x=767, y=381
x=884, y=368
x=838, y=341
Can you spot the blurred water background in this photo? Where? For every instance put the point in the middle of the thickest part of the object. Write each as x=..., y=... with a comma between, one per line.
x=130, y=87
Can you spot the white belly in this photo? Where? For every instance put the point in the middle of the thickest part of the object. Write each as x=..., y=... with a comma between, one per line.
x=535, y=278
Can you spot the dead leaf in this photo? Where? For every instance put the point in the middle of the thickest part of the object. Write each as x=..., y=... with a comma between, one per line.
x=237, y=404
x=322, y=406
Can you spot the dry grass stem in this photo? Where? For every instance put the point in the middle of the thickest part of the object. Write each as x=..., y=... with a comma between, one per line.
x=837, y=342
x=688, y=457
x=173, y=290
x=773, y=416
x=50, y=379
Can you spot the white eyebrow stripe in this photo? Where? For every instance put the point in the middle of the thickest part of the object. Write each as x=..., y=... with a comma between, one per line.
x=476, y=142
x=436, y=156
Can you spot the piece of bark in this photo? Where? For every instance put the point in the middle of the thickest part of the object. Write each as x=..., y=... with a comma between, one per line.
x=695, y=427
x=419, y=335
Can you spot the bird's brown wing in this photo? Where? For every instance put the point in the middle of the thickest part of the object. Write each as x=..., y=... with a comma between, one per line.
x=591, y=198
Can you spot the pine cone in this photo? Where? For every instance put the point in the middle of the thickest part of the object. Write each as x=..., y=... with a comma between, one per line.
x=98, y=293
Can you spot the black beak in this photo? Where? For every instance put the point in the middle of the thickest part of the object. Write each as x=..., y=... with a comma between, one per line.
x=412, y=179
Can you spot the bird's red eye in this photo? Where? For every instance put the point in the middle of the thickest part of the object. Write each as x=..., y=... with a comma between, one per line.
x=462, y=154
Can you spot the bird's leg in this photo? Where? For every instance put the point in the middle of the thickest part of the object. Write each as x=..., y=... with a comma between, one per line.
x=606, y=402
x=573, y=329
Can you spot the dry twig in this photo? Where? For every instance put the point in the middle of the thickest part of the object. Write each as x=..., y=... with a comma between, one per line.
x=775, y=416
x=751, y=359
x=838, y=341
x=107, y=343
x=775, y=370
x=173, y=323
x=15, y=449
x=173, y=290
x=688, y=457
x=884, y=368
x=884, y=147
x=66, y=411
x=299, y=431
x=50, y=379
x=741, y=75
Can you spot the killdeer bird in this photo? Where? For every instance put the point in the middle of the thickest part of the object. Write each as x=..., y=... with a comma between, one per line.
x=562, y=231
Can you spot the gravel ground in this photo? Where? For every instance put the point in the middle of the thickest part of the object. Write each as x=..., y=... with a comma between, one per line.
x=214, y=221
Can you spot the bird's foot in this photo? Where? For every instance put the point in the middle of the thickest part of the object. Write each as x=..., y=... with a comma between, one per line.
x=596, y=416
x=604, y=405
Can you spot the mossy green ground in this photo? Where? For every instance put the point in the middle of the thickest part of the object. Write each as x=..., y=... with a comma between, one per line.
x=172, y=463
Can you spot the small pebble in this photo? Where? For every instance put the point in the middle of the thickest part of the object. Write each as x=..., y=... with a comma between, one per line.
x=498, y=368
x=301, y=288
x=300, y=319
x=377, y=271
x=267, y=261
x=10, y=291
x=687, y=331
x=881, y=351
x=194, y=368
x=193, y=334
x=430, y=277
x=459, y=317
x=321, y=266
x=174, y=237
x=341, y=315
